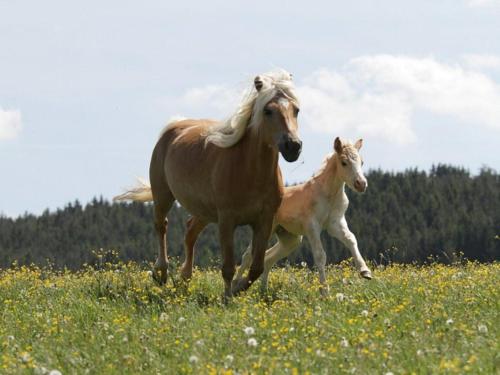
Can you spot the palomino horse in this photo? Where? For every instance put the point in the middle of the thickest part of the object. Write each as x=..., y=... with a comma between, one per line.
x=320, y=203
x=226, y=172
x=307, y=209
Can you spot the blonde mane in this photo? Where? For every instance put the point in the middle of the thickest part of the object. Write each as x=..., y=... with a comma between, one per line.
x=249, y=111
x=348, y=149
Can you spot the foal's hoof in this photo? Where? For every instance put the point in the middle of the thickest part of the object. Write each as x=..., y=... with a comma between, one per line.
x=324, y=291
x=366, y=274
x=186, y=274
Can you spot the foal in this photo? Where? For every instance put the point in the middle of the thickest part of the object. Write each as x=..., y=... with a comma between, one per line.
x=318, y=204
x=227, y=173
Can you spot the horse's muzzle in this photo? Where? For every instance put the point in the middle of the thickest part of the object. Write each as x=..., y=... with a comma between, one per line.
x=290, y=148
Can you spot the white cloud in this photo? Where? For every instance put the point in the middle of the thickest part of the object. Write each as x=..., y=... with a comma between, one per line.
x=482, y=61
x=377, y=96
x=10, y=124
x=217, y=97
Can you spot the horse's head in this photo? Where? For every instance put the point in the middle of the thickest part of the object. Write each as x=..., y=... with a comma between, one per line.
x=349, y=164
x=275, y=113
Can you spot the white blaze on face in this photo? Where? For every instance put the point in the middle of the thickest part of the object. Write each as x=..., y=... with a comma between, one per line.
x=284, y=102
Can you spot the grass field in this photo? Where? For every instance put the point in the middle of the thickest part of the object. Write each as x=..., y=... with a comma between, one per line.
x=423, y=320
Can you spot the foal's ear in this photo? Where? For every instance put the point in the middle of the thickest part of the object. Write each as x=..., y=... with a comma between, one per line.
x=337, y=145
x=358, y=144
x=258, y=83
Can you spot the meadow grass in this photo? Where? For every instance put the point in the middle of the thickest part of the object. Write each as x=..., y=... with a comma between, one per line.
x=422, y=320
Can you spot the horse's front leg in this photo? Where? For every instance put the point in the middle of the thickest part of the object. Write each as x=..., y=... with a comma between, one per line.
x=261, y=234
x=226, y=233
x=340, y=230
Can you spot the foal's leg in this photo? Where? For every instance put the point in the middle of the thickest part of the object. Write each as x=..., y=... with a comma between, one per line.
x=246, y=261
x=261, y=235
x=287, y=243
x=193, y=230
x=226, y=233
x=162, y=204
x=340, y=230
x=319, y=255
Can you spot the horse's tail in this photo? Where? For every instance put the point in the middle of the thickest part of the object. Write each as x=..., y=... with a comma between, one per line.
x=140, y=193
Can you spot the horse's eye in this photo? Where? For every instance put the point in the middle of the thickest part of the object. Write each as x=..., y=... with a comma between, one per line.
x=268, y=112
x=296, y=111
x=344, y=163
x=362, y=163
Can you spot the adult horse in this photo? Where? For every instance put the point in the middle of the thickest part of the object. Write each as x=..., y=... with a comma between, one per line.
x=226, y=172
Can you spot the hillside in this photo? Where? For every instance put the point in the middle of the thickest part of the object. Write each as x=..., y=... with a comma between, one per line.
x=406, y=217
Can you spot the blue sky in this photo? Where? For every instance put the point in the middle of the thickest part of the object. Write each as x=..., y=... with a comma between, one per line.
x=85, y=88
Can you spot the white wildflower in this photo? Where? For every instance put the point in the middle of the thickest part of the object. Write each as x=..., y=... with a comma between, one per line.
x=252, y=342
x=388, y=344
x=387, y=322
x=482, y=328
x=389, y=373
x=249, y=330
x=229, y=358
x=193, y=359
x=319, y=353
x=163, y=317
x=199, y=342
x=364, y=313
x=40, y=371
x=449, y=322
x=182, y=319
x=25, y=357
x=55, y=372
x=110, y=337
x=339, y=297
x=10, y=338
x=344, y=343
x=303, y=264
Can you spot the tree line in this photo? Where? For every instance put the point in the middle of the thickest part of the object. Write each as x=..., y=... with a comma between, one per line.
x=406, y=217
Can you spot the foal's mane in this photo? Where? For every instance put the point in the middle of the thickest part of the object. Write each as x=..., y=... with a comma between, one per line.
x=347, y=148
x=249, y=111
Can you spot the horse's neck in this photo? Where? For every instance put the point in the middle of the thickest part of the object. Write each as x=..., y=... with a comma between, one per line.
x=264, y=161
x=327, y=184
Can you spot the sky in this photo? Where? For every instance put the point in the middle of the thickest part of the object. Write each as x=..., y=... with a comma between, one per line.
x=86, y=87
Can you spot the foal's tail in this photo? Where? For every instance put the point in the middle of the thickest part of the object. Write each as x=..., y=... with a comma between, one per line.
x=140, y=193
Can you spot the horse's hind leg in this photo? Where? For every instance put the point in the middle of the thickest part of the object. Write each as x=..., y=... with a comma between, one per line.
x=162, y=202
x=193, y=230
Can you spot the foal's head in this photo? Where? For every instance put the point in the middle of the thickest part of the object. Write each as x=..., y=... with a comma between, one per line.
x=275, y=113
x=349, y=164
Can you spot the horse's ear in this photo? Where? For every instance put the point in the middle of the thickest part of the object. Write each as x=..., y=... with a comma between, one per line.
x=258, y=83
x=358, y=144
x=337, y=145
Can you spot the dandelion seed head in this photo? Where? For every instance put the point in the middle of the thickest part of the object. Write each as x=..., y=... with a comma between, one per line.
x=482, y=328
x=193, y=359
x=249, y=330
x=344, y=343
x=252, y=342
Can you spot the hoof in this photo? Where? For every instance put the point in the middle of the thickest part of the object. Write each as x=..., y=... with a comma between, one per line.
x=239, y=285
x=160, y=275
x=186, y=274
x=324, y=290
x=366, y=274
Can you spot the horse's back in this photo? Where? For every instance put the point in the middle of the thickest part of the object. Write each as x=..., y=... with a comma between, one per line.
x=179, y=163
